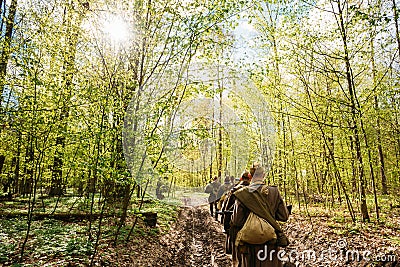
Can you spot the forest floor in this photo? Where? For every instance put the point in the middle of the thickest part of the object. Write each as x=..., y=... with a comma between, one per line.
x=189, y=236
x=196, y=239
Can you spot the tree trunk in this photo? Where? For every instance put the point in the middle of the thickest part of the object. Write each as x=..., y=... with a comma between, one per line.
x=56, y=178
x=2, y=9
x=5, y=54
x=2, y=159
x=69, y=70
x=380, y=151
x=396, y=23
x=296, y=175
x=353, y=165
x=6, y=49
x=378, y=123
x=220, y=133
x=15, y=165
x=327, y=145
x=371, y=169
x=354, y=116
x=25, y=185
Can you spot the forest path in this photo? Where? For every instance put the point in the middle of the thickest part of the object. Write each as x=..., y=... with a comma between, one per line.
x=203, y=239
x=196, y=239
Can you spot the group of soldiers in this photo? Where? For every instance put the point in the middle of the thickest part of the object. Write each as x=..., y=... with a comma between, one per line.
x=232, y=204
x=219, y=193
x=222, y=201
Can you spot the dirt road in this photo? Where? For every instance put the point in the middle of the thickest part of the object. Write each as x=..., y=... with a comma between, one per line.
x=195, y=239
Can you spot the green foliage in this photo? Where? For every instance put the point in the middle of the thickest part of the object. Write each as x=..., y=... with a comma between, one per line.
x=5, y=251
x=73, y=91
x=49, y=238
x=79, y=247
x=52, y=237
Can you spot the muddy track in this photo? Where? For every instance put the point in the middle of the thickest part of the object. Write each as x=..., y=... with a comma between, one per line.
x=195, y=240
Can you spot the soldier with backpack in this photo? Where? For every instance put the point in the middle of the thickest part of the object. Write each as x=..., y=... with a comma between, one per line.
x=222, y=194
x=227, y=210
x=254, y=226
x=224, y=188
x=212, y=189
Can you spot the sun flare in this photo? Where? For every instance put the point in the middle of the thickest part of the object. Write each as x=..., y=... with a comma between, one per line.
x=116, y=28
